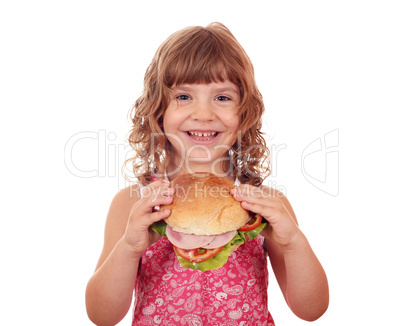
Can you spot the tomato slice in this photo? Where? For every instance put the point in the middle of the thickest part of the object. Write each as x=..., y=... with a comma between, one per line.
x=197, y=255
x=254, y=222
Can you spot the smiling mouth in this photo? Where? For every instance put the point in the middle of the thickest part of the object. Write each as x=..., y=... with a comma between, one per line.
x=202, y=135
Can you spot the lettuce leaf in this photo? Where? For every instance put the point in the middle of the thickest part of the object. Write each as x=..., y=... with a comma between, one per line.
x=159, y=227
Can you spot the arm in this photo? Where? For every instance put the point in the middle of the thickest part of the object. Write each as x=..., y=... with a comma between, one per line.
x=299, y=273
x=127, y=235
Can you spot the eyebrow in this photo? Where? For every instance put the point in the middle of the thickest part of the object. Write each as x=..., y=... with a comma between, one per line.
x=226, y=89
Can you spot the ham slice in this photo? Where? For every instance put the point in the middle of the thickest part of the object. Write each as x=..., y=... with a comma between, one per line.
x=221, y=240
x=187, y=241
x=192, y=241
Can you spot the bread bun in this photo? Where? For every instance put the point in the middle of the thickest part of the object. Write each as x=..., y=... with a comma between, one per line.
x=203, y=205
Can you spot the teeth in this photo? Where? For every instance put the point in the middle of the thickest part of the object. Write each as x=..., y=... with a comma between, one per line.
x=202, y=134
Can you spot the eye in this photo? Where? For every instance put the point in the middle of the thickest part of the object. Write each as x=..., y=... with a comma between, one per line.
x=223, y=98
x=182, y=97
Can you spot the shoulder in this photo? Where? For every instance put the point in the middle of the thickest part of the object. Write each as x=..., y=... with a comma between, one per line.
x=126, y=197
x=117, y=218
x=122, y=203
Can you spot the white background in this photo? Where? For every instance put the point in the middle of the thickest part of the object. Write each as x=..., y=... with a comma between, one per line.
x=73, y=68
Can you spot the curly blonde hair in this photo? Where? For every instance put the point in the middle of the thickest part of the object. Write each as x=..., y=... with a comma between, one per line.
x=198, y=55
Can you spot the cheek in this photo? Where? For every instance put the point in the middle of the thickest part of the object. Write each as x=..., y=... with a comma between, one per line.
x=233, y=123
x=173, y=117
x=170, y=128
x=167, y=121
x=233, y=127
x=168, y=116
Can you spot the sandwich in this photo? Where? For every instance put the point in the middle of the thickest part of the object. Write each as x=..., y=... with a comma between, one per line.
x=206, y=223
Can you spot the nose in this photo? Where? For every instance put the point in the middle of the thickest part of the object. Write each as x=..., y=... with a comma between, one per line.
x=203, y=112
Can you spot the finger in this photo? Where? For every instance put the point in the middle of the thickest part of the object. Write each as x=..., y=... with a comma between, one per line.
x=156, y=192
x=265, y=211
x=161, y=200
x=246, y=191
x=159, y=215
x=167, y=191
x=145, y=221
x=154, y=185
x=253, y=195
x=151, y=199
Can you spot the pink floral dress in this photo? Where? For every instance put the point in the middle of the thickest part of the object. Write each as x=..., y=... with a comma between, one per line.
x=235, y=294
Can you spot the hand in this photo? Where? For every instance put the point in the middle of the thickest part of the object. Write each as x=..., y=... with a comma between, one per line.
x=138, y=234
x=282, y=227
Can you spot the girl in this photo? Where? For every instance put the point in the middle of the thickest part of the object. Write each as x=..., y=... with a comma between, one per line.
x=200, y=112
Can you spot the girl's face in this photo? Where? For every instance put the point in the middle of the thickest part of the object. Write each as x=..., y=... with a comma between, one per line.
x=201, y=123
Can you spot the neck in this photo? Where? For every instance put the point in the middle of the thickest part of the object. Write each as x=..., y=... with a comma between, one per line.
x=221, y=168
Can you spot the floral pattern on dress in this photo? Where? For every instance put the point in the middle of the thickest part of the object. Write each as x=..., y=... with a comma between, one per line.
x=166, y=293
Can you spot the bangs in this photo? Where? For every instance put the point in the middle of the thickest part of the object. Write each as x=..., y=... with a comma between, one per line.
x=207, y=71
x=200, y=58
